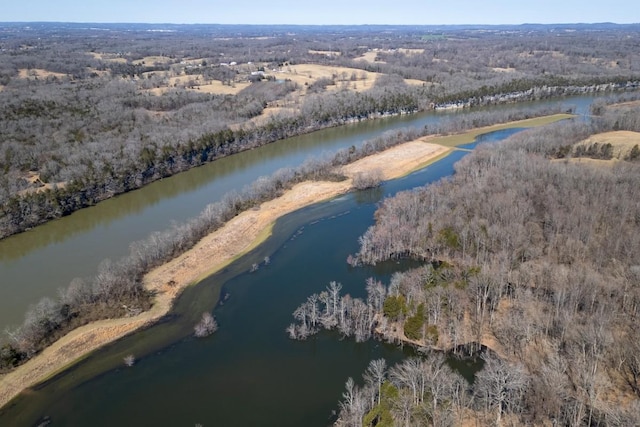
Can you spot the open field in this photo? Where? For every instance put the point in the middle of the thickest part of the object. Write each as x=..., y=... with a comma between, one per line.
x=304, y=75
x=622, y=142
x=33, y=73
x=369, y=56
x=111, y=57
x=213, y=86
x=150, y=60
x=37, y=185
x=344, y=77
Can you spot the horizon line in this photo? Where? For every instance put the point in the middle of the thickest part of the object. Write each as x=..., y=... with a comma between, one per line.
x=324, y=25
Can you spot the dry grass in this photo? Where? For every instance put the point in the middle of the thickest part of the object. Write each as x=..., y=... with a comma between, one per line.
x=218, y=88
x=108, y=57
x=345, y=78
x=625, y=105
x=267, y=114
x=369, y=57
x=34, y=73
x=37, y=185
x=622, y=141
x=503, y=70
x=213, y=86
x=150, y=60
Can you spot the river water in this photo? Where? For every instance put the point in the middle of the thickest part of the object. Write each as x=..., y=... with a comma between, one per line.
x=247, y=373
x=37, y=263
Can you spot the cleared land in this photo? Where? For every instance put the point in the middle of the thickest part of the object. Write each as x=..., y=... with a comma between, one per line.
x=150, y=60
x=369, y=56
x=344, y=77
x=37, y=185
x=622, y=141
x=34, y=73
x=108, y=57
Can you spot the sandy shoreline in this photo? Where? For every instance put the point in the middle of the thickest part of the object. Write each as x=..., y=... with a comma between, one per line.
x=218, y=249
x=212, y=253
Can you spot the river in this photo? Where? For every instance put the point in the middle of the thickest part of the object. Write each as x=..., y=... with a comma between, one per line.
x=247, y=373
x=37, y=263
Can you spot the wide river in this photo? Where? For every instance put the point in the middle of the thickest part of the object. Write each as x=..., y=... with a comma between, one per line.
x=248, y=373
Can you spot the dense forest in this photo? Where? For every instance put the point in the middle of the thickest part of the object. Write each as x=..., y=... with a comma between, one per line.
x=530, y=257
x=88, y=113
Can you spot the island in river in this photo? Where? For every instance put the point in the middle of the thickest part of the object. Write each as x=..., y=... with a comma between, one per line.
x=220, y=248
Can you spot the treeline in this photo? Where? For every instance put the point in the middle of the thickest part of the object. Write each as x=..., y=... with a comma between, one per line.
x=90, y=172
x=425, y=391
x=533, y=257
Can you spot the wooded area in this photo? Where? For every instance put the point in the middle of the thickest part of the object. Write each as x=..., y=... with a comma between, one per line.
x=88, y=113
x=531, y=258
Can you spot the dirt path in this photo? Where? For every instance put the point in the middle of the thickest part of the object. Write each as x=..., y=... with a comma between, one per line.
x=211, y=254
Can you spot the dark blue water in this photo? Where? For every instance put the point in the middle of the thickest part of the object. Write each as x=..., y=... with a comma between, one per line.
x=249, y=372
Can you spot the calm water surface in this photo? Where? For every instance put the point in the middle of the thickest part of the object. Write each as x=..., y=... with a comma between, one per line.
x=39, y=262
x=249, y=372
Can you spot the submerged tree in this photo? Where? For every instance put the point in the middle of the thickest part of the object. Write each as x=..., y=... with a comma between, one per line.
x=206, y=326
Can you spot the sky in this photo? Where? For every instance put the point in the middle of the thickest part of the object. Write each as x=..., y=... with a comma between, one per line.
x=323, y=12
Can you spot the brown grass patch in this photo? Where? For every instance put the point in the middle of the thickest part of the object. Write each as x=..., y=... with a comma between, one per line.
x=268, y=113
x=629, y=104
x=217, y=87
x=344, y=77
x=34, y=73
x=404, y=158
x=108, y=57
x=369, y=57
x=622, y=141
x=150, y=60
x=37, y=185
x=199, y=85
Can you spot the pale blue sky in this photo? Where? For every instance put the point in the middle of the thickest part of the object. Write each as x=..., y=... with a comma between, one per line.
x=409, y=12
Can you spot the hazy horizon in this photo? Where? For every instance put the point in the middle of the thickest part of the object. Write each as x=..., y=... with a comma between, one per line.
x=330, y=12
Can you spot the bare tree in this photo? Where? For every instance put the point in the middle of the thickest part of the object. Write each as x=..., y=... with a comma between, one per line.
x=206, y=326
x=501, y=387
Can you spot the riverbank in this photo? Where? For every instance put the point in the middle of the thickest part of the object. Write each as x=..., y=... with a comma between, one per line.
x=217, y=250
x=214, y=252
